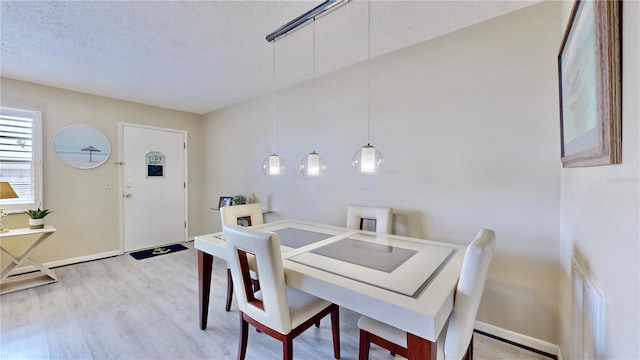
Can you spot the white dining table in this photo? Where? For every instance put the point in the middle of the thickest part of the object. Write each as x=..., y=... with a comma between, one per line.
x=406, y=282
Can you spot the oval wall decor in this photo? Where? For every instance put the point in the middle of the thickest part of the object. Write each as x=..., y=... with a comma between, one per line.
x=81, y=146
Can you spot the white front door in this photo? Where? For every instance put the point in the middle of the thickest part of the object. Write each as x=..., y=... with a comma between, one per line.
x=153, y=186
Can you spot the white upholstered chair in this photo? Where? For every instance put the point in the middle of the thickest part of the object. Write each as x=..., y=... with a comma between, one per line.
x=277, y=310
x=383, y=217
x=246, y=215
x=456, y=339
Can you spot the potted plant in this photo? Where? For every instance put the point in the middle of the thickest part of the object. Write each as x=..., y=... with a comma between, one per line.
x=36, y=220
x=239, y=199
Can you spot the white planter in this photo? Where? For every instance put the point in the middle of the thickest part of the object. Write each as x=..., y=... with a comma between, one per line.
x=36, y=223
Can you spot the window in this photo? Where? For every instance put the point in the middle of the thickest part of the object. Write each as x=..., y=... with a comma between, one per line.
x=21, y=157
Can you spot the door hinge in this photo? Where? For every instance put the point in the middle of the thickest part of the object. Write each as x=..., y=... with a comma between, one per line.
x=184, y=145
x=185, y=185
x=185, y=224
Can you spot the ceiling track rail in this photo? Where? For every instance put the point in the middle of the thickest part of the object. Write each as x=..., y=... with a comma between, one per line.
x=302, y=20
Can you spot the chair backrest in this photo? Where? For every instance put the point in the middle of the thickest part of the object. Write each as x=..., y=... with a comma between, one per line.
x=270, y=305
x=383, y=216
x=473, y=275
x=249, y=215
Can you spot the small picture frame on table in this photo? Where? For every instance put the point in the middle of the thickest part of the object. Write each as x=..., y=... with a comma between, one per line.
x=225, y=201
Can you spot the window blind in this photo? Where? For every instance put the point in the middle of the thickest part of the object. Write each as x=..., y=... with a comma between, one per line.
x=20, y=157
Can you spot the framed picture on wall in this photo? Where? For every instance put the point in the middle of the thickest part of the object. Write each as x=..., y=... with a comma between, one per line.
x=589, y=72
x=224, y=201
x=81, y=147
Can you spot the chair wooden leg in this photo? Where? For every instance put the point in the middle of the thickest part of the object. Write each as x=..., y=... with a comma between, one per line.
x=244, y=335
x=335, y=330
x=318, y=324
x=469, y=354
x=287, y=347
x=363, y=353
x=205, y=265
x=287, y=339
x=366, y=339
x=229, y=290
x=256, y=285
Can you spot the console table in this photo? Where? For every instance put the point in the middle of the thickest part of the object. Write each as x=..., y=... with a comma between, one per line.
x=43, y=276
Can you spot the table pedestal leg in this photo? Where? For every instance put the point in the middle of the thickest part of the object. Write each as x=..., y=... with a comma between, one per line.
x=205, y=265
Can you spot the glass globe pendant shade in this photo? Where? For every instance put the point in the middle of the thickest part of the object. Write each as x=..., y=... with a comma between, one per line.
x=367, y=160
x=273, y=165
x=313, y=165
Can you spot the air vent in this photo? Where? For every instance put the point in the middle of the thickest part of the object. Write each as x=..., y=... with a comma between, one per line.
x=588, y=315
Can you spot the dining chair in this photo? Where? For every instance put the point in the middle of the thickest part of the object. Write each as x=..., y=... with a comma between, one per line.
x=456, y=339
x=357, y=215
x=277, y=310
x=244, y=215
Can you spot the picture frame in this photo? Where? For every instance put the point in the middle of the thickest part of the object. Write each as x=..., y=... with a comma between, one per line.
x=225, y=201
x=590, y=85
x=81, y=146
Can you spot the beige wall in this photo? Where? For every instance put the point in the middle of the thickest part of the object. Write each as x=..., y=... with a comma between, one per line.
x=468, y=126
x=85, y=213
x=600, y=218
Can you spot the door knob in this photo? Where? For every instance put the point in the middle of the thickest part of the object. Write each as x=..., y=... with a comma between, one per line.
x=128, y=196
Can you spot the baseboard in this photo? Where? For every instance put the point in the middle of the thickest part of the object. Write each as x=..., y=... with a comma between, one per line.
x=65, y=262
x=79, y=259
x=517, y=338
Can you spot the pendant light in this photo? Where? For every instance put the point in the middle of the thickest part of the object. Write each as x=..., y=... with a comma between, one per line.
x=313, y=164
x=368, y=160
x=273, y=164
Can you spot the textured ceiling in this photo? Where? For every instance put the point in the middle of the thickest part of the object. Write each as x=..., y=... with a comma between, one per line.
x=199, y=56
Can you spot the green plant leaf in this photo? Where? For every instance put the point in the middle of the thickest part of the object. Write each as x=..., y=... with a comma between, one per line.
x=38, y=213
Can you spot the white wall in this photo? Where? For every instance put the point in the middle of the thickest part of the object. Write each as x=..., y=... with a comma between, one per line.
x=468, y=126
x=600, y=218
x=85, y=213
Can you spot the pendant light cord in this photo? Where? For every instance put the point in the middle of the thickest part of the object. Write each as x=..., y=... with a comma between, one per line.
x=274, y=99
x=314, y=84
x=369, y=73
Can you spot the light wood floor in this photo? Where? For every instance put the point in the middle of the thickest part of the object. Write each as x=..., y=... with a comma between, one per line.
x=122, y=308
